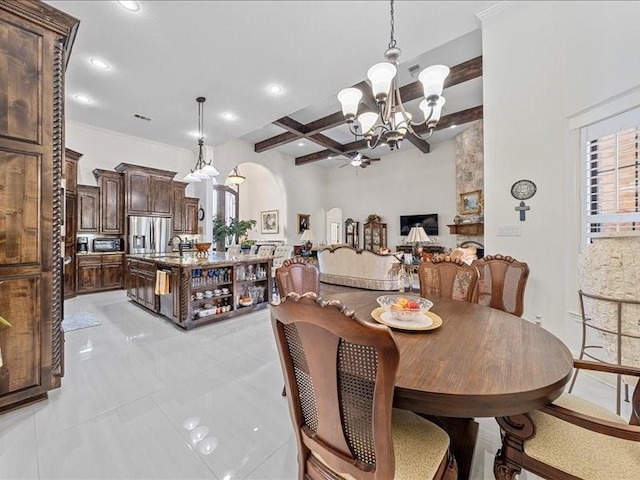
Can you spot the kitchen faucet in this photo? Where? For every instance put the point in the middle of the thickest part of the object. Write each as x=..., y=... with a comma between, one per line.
x=179, y=244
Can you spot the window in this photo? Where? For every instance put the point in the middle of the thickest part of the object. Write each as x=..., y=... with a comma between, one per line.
x=612, y=176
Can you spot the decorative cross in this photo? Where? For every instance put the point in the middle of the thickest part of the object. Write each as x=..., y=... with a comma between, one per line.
x=522, y=209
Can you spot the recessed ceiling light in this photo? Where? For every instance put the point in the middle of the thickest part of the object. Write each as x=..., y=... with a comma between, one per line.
x=96, y=62
x=194, y=134
x=229, y=116
x=274, y=89
x=129, y=5
x=83, y=98
x=301, y=144
x=453, y=126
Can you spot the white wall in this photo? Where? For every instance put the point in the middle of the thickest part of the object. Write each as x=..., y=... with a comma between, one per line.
x=302, y=186
x=544, y=62
x=403, y=183
x=105, y=149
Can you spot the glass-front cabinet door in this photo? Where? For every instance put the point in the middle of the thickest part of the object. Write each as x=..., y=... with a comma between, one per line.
x=375, y=236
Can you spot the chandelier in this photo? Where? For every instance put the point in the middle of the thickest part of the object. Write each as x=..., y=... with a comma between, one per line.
x=392, y=122
x=202, y=170
x=235, y=177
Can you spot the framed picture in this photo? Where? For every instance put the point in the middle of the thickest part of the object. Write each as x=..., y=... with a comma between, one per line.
x=470, y=202
x=303, y=222
x=269, y=222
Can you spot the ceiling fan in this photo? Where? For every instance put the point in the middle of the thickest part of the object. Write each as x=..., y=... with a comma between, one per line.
x=358, y=160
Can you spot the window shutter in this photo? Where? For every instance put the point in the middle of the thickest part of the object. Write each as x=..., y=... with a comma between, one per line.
x=612, y=177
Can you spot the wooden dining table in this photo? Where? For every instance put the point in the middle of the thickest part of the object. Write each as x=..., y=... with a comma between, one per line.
x=481, y=362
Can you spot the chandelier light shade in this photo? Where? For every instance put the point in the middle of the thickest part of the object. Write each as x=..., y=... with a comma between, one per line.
x=202, y=170
x=392, y=123
x=235, y=177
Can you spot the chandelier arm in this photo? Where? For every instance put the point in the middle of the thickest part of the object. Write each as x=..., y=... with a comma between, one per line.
x=354, y=131
x=431, y=130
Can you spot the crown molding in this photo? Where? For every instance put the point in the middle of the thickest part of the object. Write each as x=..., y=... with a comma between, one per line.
x=492, y=10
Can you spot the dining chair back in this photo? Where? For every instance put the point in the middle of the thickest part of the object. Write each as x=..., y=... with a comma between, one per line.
x=573, y=438
x=297, y=275
x=265, y=250
x=502, y=282
x=449, y=278
x=339, y=377
x=610, y=334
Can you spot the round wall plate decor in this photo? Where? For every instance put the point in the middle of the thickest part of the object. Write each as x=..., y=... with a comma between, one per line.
x=523, y=189
x=201, y=214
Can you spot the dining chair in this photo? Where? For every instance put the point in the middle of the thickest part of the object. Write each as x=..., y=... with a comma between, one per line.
x=234, y=250
x=297, y=275
x=573, y=438
x=445, y=277
x=339, y=377
x=502, y=282
x=615, y=323
x=265, y=250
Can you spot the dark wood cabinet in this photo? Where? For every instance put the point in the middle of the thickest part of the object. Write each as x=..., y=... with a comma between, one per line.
x=466, y=229
x=111, y=185
x=191, y=215
x=71, y=159
x=351, y=233
x=178, y=207
x=141, y=282
x=34, y=41
x=100, y=272
x=89, y=273
x=147, y=191
x=161, y=195
x=375, y=236
x=88, y=209
x=112, y=272
x=138, y=188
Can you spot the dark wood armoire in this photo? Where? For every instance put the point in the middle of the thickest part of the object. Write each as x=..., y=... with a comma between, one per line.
x=35, y=41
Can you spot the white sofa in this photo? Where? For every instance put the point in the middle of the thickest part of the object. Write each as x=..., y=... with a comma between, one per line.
x=359, y=268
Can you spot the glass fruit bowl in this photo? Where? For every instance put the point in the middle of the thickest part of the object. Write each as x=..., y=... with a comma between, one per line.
x=405, y=307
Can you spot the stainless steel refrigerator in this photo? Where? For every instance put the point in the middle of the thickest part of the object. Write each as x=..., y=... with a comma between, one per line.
x=149, y=234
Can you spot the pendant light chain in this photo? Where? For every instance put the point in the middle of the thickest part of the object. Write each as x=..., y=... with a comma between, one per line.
x=392, y=41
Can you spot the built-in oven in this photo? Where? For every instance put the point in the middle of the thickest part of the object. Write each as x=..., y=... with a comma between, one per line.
x=107, y=245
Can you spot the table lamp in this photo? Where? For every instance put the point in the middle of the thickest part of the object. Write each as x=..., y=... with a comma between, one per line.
x=417, y=235
x=307, y=236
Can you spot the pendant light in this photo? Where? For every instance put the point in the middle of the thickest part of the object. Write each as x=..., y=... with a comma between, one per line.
x=202, y=170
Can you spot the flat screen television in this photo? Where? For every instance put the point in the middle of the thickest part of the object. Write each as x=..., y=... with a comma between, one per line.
x=428, y=221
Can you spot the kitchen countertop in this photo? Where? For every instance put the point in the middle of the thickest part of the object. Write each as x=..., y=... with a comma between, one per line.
x=190, y=261
x=84, y=254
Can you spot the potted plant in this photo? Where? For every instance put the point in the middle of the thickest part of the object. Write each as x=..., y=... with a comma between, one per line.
x=240, y=228
x=220, y=232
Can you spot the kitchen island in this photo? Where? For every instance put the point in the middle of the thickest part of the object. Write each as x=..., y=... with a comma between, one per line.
x=199, y=289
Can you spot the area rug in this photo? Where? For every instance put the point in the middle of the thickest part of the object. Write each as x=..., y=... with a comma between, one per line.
x=78, y=320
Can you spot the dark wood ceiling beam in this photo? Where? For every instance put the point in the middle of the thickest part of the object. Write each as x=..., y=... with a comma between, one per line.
x=456, y=118
x=291, y=125
x=459, y=74
x=419, y=143
x=273, y=142
x=314, y=157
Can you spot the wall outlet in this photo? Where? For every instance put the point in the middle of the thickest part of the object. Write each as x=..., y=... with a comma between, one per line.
x=508, y=231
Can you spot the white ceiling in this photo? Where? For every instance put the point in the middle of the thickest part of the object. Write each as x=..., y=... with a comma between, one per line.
x=170, y=52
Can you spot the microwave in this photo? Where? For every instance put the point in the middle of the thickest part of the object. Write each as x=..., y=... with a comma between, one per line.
x=107, y=245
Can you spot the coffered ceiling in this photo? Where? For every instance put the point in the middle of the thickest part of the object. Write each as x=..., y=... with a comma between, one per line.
x=168, y=53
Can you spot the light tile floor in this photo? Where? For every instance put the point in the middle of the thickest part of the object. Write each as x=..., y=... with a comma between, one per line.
x=144, y=399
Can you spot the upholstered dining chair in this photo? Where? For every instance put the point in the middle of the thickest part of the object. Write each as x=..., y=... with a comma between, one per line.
x=502, y=283
x=445, y=277
x=339, y=376
x=234, y=250
x=573, y=438
x=265, y=250
x=297, y=275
